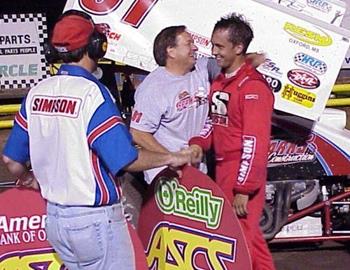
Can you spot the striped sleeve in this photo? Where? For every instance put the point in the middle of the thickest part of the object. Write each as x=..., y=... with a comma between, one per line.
x=109, y=138
x=17, y=145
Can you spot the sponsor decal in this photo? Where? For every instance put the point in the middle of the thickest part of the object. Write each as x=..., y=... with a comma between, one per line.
x=347, y=60
x=55, y=106
x=271, y=68
x=298, y=95
x=219, y=108
x=303, y=34
x=40, y=259
x=198, y=204
x=106, y=29
x=247, y=157
x=293, y=4
x=200, y=40
x=310, y=63
x=283, y=152
x=174, y=246
x=274, y=83
x=321, y=5
x=303, y=78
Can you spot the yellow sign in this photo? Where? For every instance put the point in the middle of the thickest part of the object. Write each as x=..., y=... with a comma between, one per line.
x=42, y=259
x=298, y=95
x=174, y=246
x=307, y=35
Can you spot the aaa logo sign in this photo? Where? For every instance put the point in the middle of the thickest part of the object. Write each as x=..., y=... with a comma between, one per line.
x=181, y=247
x=198, y=204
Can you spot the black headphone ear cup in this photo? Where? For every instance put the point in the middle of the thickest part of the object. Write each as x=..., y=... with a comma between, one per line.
x=97, y=46
x=51, y=54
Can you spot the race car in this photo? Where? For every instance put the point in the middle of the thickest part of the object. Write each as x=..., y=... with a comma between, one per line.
x=308, y=189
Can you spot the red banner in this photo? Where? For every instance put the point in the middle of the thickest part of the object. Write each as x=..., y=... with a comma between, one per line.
x=23, y=243
x=188, y=223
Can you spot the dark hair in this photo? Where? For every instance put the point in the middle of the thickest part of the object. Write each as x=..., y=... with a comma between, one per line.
x=166, y=38
x=240, y=30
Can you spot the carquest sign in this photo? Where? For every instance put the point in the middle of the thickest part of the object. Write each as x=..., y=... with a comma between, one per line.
x=22, y=60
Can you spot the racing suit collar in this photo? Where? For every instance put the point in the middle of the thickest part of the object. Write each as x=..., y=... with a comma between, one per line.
x=246, y=67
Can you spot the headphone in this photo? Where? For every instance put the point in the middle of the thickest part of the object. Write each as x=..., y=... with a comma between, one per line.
x=96, y=47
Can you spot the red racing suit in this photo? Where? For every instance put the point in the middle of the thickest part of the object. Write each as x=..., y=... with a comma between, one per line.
x=241, y=109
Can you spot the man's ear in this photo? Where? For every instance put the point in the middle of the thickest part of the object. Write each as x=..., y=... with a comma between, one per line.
x=170, y=51
x=238, y=48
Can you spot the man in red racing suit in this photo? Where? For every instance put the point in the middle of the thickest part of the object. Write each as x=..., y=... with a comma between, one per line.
x=241, y=108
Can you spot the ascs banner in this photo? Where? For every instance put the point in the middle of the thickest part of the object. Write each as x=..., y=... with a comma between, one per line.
x=188, y=223
x=301, y=67
x=22, y=59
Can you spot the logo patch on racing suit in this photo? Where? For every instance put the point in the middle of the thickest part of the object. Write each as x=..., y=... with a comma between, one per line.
x=249, y=144
x=251, y=96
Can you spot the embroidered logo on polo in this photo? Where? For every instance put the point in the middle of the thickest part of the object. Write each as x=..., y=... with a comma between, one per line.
x=56, y=106
x=185, y=100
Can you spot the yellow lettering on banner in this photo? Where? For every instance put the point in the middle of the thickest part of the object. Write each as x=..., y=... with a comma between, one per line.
x=45, y=261
x=165, y=240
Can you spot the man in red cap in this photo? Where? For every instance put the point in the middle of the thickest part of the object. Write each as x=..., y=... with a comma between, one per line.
x=71, y=133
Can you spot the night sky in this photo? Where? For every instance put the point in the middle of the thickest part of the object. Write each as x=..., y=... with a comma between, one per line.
x=52, y=8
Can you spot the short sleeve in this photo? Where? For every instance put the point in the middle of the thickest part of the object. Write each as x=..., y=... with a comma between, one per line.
x=17, y=145
x=148, y=110
x=109, y=138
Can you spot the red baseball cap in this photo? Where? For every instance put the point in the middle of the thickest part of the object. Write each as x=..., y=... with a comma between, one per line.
x=72, y=32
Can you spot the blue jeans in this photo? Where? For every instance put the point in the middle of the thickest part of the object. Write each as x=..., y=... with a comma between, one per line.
x=90, y=238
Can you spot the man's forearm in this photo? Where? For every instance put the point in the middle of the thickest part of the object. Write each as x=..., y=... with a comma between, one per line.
x=147, y=141
x=15, y=168
x=147, y=160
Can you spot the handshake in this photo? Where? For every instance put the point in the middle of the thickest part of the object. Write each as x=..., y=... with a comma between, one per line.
x=189, y=156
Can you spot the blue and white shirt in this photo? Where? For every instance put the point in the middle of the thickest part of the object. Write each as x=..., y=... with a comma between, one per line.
x=71, y=132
